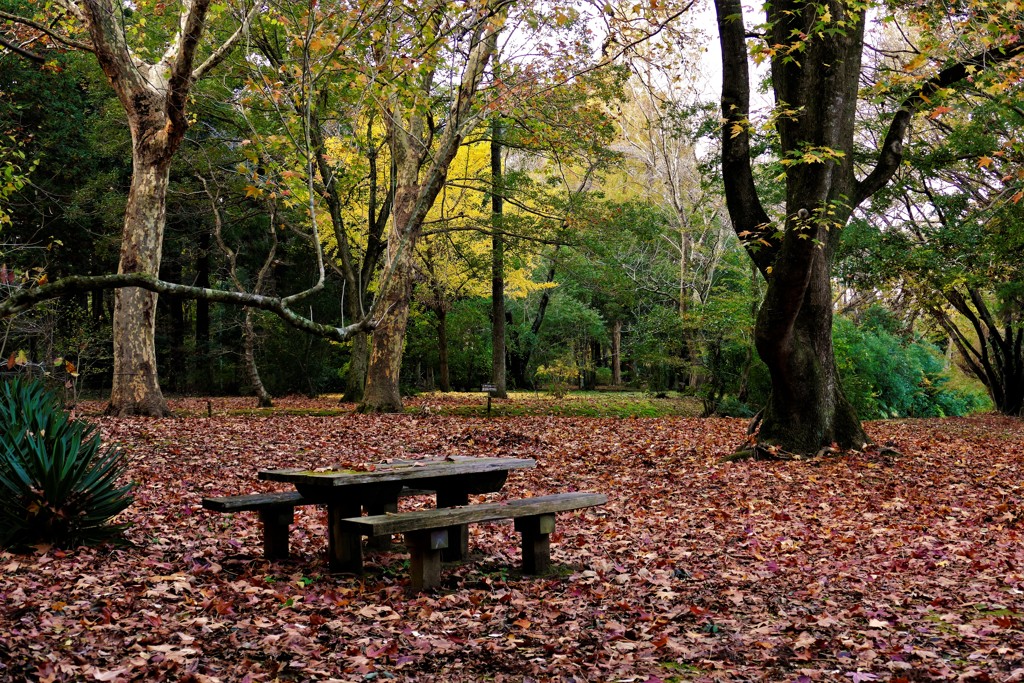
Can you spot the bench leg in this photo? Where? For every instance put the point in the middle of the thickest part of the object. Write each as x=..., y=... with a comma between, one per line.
x=425, y=557
x=344, y=548
x=275, y=531
x=379, y=508
x=536, y=542
x=458, y=535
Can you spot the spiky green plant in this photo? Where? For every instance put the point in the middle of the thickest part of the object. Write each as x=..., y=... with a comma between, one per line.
x=58, y=484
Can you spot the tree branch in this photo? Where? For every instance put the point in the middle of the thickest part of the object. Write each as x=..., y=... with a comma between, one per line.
x=17, y=49
x=42, y=28
x=218, y=55
x=890, y=156
x=27, y=298
x=745, y=209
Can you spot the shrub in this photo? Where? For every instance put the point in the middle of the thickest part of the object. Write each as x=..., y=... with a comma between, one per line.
x=58, y=484
x=558, y=378
x=886, y=376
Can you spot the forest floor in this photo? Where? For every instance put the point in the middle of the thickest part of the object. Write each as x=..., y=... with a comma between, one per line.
x=866, y=567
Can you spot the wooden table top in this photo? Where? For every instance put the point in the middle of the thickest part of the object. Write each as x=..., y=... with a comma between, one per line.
x=399, y=471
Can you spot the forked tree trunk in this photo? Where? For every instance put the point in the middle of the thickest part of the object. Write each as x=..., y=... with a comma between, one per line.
x=410, y=133
x=816, y=79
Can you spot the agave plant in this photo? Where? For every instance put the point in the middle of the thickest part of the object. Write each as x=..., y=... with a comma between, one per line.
x=58, y=483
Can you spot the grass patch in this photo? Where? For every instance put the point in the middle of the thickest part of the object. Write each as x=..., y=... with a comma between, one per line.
x=620, y=404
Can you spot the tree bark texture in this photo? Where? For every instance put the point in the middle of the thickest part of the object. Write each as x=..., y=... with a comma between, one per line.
x=381, y=393
x=136, y=388
x=153, y=97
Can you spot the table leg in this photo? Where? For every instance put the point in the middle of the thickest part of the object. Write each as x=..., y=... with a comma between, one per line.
x=275, y=531
x=344, y=548
x=458, y=535
x=379, y=507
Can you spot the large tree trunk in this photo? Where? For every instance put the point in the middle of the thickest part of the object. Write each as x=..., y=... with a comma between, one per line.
x=807, y=410
x=136, y=389
x=381, y=393
x=154, y=96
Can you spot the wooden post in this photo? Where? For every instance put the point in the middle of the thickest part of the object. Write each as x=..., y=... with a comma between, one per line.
x=458, y=535
x=344, y=548
x=276, y=521
x=489, y=389
x=536, y=532
x=425, y=557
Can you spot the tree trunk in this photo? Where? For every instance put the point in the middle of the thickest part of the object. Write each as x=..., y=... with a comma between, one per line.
x=617, y=353
x=442, y=350
x=136, y=389
x=410, y=134
x=497, y=267
x=806, y=410
x=358, y=362
x=381, y=393
x=251, y=369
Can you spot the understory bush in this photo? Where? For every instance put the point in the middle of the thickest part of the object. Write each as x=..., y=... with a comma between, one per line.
x=886, y=376
x=58, y=483
x=558, y=378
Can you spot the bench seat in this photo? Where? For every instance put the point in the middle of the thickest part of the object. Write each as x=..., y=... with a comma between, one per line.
x=427, y=531
x=277, y=513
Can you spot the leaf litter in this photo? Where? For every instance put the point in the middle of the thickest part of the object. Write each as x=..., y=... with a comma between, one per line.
x=872, y=566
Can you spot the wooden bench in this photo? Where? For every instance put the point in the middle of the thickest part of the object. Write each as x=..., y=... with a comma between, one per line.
x=277, y=514
x=427, y=531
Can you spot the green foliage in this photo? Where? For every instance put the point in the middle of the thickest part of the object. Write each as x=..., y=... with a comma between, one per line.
x=886, y=376
x=59, y=484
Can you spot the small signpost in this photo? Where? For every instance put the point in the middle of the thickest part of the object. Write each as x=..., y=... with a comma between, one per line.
x=490, y=389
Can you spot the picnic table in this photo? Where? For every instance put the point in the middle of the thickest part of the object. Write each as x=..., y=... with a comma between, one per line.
x=346, y=492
